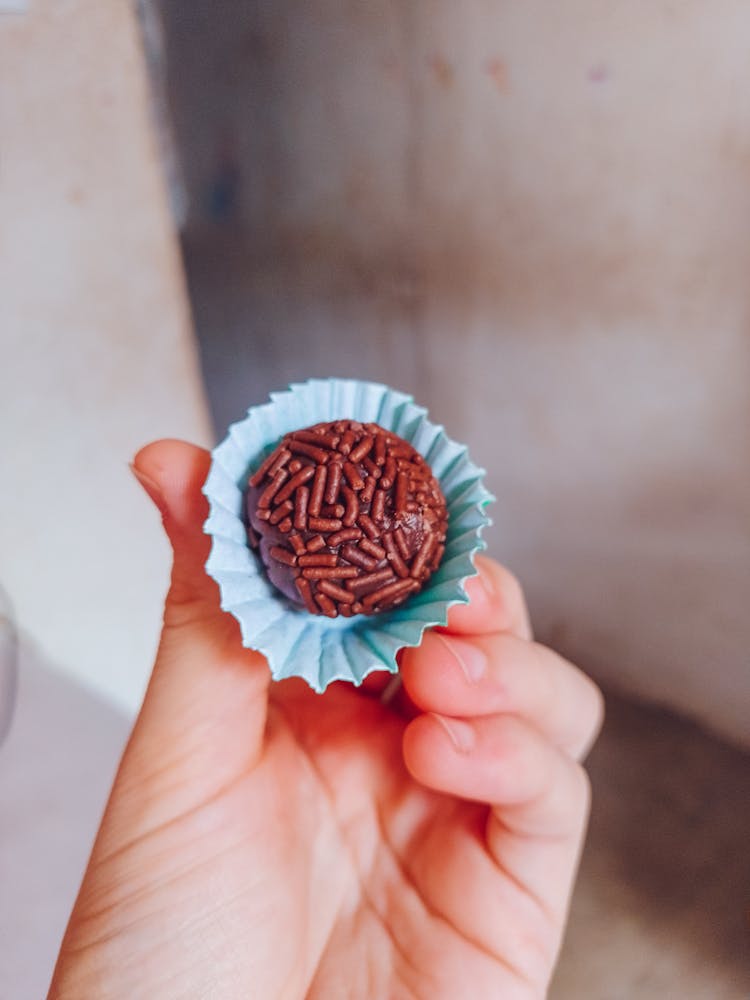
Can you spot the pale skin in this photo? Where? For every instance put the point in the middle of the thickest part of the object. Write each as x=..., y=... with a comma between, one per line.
x=262, y=841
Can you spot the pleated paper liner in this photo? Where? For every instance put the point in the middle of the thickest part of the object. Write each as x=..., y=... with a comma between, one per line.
x=316, y=648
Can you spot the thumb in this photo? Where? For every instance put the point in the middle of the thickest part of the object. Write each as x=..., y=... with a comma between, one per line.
x=207, y=698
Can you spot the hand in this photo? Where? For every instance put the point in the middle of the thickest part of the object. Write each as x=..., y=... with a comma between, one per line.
x=262, y=841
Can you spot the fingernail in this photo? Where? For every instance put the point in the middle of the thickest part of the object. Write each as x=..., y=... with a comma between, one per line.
x=461, y=733
x=470, y=658
x=150, y=486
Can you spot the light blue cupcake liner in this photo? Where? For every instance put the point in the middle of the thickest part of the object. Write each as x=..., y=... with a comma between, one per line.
x=316, y=648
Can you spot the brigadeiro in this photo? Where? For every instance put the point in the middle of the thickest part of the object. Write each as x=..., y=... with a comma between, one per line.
x=348, y=518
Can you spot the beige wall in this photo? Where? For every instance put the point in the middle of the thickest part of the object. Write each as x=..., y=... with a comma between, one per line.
x=97, y=351
x=537, y=218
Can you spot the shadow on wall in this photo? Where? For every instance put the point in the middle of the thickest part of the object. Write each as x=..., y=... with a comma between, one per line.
x=661, y=907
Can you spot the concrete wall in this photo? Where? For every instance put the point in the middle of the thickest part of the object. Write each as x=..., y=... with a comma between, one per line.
x=537, y=218
x=97, y=352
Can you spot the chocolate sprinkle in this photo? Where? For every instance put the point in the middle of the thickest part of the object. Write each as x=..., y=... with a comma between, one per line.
x=305, y=590
x=352, y=474
x=345, y=535
x=371, y=580
x=372, y=549
x=272, y=489
x=347, y=518
x=401, y=542
x=298, y=544
x=281, y=511
x=301, y=502
x=319, y=559
x=283, y=555
x=326, y=604
x=354, y=555
x=333, y=482
x=394, y=557
x=315, y=544
x=318, y=488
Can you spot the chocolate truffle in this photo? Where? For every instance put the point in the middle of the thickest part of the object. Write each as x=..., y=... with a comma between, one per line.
x=348, y=518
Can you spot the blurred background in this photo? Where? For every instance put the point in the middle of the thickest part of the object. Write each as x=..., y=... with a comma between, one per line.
x=533, y=217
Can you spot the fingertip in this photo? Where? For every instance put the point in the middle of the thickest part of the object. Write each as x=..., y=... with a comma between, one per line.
x=430, y=673
x=169, y=460
x=496, y=603
x=413, y=748
x=172, y=472
x=425, y=742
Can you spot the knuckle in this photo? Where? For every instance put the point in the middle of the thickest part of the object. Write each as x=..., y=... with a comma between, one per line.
x=185, y=604
x=535, y=949
x=181, y=593
x=516, y=754
x=511, y=738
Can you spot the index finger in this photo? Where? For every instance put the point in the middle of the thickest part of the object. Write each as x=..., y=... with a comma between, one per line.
x=496, y=604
